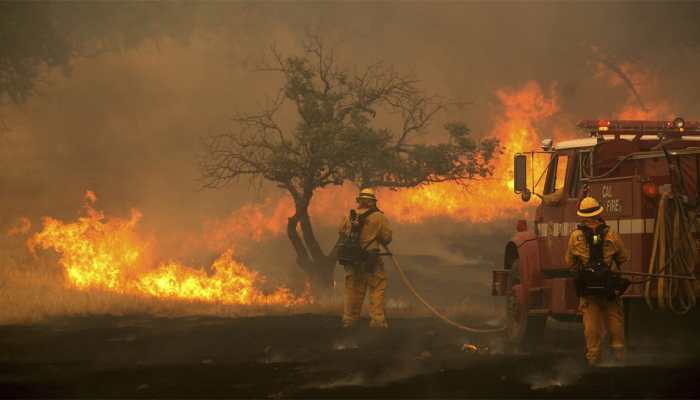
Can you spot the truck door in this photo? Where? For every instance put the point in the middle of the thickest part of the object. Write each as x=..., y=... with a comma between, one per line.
x=554, y=221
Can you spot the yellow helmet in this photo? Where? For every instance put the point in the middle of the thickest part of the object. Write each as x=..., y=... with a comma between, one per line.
x=589, y=207
x=367, y=193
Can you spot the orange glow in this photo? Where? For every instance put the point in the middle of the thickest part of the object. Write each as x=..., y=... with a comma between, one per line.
x=107, y=254
x=21, y=228
x=250, y=222
x=562, y=164
x=648, y=88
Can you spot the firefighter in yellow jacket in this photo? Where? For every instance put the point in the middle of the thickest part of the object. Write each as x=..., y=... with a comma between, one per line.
x=361, y=234
x=592, y=248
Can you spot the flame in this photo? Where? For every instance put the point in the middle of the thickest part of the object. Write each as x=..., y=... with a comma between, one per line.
x=231, y=283
x=490, y=198
x=107, y=254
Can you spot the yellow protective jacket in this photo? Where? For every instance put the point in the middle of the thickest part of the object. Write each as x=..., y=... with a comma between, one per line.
x=613, y=249
x=376, y=227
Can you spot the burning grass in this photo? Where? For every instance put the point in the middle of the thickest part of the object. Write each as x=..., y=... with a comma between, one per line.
x=36, y=291
x=100, y=265
x=107, y=254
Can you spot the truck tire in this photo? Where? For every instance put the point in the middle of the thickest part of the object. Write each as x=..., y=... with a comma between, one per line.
x=524, y=332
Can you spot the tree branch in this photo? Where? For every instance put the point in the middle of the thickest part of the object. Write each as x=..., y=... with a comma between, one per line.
x=621, y=74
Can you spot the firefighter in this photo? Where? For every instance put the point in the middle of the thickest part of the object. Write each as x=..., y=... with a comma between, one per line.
x=361, y=235
x=595, y=251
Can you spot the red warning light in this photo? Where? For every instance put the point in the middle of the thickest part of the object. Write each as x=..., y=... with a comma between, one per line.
x=650, y=190
x=521, y=226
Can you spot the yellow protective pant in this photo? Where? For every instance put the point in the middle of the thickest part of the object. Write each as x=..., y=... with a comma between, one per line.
x=357, y=283
x=601, y=315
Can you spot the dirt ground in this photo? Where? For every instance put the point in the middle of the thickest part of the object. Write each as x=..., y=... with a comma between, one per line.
x=309, y=356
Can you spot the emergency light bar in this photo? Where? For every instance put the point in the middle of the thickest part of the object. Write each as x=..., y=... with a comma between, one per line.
x=677, y=126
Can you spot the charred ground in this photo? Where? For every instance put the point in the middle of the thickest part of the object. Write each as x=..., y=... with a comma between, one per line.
x=309, y=356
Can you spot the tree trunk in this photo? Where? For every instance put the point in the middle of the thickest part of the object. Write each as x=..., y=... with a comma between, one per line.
x=318, y=266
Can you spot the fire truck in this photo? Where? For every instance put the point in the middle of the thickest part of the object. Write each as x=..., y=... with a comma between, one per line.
x=646, y=175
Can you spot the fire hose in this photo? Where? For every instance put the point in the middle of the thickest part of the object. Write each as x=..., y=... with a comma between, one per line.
x=674, y=253
x=432, y=309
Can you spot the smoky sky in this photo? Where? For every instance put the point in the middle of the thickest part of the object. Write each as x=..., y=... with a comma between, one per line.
x=127, y=124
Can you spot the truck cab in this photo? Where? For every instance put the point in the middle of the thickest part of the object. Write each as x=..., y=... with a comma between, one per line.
x=625, y=166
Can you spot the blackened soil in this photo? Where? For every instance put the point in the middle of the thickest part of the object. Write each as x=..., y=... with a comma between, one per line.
x=309, y=356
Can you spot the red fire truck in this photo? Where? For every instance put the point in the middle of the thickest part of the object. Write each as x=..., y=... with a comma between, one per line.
x=646, y=174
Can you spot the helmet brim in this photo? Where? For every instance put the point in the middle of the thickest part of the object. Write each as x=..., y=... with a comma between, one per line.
x=366, y=198
x=591, y=214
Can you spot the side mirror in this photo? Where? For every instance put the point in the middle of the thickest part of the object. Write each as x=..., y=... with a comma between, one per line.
x=520, y=174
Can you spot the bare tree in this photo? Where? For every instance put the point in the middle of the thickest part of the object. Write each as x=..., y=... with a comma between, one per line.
x=335, y=139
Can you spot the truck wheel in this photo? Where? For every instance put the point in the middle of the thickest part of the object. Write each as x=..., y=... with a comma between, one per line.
x=523, y=332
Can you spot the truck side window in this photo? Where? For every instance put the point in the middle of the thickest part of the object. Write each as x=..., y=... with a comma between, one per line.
x=585, y=163
x=582, y=170
x=556, y=176
x=576, y=177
